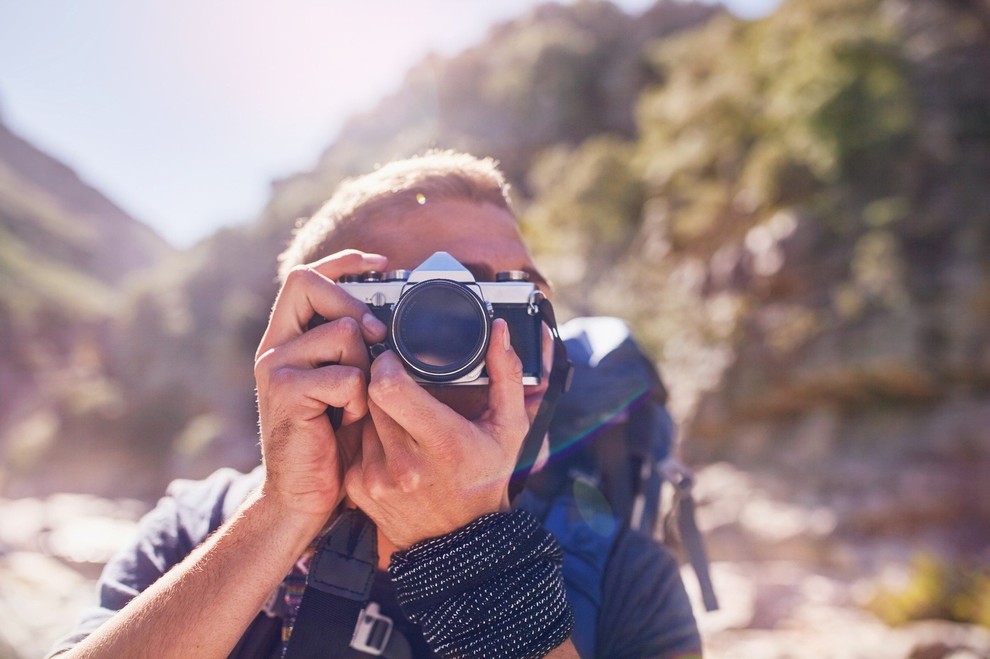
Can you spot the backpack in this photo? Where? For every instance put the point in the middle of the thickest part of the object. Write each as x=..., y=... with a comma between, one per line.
x=612, y=451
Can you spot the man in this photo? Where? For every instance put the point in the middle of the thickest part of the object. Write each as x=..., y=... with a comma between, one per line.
x=430, y=466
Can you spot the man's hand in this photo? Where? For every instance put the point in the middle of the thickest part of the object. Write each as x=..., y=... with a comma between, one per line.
x=300, y=373
x=425, y=470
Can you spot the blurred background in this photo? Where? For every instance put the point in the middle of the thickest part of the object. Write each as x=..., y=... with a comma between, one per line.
x=789, y=202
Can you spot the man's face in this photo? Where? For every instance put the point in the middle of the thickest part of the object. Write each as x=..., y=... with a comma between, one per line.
x=484, y=238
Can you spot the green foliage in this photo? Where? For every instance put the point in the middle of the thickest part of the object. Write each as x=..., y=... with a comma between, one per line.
x=31, y=284
x=878, y=268
x=43, y=250
x=33, y=213
x=752, y=117
x=544, y=80
x=588, y=203
x=558, y=75
x=936, y=589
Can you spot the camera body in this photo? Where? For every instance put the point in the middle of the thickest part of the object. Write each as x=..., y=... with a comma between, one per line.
x=439, y=318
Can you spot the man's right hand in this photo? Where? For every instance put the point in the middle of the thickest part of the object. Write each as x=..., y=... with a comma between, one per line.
x=183, y=613
x=300, y=373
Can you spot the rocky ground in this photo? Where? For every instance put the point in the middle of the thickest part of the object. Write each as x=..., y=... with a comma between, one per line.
x=788, y=587
x=51, y=553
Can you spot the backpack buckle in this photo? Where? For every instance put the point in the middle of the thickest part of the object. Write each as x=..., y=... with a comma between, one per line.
x=677, y=474
x=372, y=631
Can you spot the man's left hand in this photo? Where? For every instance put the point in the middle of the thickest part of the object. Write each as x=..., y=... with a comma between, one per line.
x=425, y=470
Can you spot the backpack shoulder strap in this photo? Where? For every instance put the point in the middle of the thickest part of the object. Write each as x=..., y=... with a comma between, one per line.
x=582, y=522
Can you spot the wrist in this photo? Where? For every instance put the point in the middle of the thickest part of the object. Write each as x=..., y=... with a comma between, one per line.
x=286, y=522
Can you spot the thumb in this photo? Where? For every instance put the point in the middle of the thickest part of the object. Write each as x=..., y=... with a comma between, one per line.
x=506, y=396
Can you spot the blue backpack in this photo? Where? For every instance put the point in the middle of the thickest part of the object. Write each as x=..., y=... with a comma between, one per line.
x=612, y=450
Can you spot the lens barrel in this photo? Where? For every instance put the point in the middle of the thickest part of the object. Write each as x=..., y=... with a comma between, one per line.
x=440, y=329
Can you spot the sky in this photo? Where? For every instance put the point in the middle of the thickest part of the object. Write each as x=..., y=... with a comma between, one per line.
x=183, y=111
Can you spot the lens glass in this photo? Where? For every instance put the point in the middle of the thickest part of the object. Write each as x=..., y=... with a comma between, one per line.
x=440, y=328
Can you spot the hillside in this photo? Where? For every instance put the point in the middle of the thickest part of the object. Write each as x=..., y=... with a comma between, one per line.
x=63, y=243
x=794, y=205
x=802, y=233
x=184, y=342
x=793, y=213
x=66, y=255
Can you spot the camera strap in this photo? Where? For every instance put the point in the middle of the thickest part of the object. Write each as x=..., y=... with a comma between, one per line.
x=335, y=617
x=559, y=382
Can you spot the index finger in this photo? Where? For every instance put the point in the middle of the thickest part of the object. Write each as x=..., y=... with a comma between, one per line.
x=428, y=421
x=311, y=289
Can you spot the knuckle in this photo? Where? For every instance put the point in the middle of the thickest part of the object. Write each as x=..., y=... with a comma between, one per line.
x=282, y=379
x=351, y=378
x=350, y=386
x=408, y=479
x=383, y=385
x=516, y=368
x=375, y=483
x=298, y=275
x=348, y=328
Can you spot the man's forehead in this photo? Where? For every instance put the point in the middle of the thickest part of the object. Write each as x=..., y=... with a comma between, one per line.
x=483, y=237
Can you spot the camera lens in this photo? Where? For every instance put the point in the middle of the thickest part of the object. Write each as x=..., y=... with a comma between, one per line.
x=440, y=329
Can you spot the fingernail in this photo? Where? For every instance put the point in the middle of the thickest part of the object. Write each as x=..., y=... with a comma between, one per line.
x=506, y=339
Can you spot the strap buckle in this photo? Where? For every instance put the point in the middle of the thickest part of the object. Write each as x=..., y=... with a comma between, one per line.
x=677, y=474
x=372, y=631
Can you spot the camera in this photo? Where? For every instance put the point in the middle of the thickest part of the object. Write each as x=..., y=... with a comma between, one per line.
x=439, y=318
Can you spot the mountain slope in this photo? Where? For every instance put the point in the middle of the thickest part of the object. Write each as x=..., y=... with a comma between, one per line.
x=60, y=218
x=206, y=315
x=66, y=256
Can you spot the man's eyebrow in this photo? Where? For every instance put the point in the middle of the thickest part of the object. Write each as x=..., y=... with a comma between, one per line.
x=484, y=272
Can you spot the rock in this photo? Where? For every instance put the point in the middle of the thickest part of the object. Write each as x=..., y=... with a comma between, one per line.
x=792, y=584
x=41, y=600
x=51, y=552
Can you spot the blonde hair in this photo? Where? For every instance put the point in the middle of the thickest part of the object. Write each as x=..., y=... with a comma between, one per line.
x=397, y=188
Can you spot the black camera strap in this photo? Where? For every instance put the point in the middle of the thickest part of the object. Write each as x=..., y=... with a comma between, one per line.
x=335, y=617
x=559, y=382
